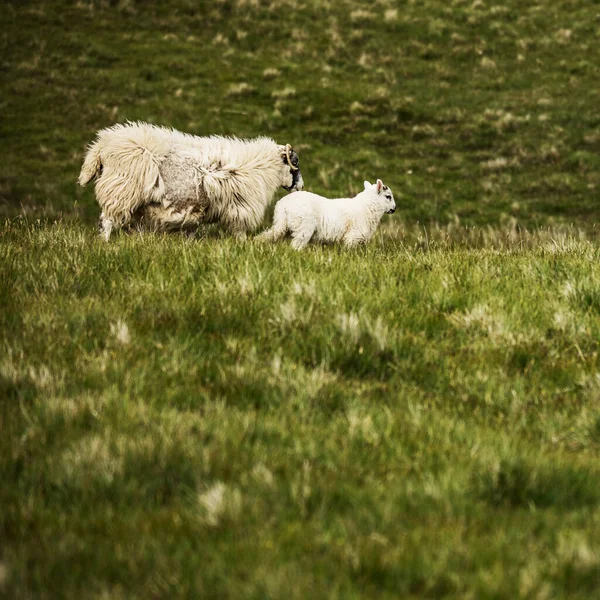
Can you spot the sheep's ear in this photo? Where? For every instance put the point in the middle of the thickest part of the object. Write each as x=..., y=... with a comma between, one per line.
x=379, y=185
x=367, y=185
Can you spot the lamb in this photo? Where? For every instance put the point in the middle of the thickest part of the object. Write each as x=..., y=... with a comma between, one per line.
x=160, y=179
x=308, y=216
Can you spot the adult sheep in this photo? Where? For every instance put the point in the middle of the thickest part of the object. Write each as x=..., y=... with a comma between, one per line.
x=159, y=179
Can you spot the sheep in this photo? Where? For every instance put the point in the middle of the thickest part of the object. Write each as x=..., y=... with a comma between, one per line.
x=160, y=179
x=307, y=216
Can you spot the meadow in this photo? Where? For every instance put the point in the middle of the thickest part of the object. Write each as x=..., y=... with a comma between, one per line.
x=203, y=417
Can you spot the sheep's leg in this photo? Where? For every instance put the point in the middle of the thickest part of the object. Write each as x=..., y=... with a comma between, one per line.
x=167, y=217
x=238, y=231
x=174, y=220
x=105, y=227
x=242, y=222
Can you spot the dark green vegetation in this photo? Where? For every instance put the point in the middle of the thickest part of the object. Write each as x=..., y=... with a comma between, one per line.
x=222, y=419
x=210, y=418
x=476, y=110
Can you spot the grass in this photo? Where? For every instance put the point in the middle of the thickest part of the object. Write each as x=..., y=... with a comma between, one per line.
x=225, y=419
x=472, y=111
x=205, y=417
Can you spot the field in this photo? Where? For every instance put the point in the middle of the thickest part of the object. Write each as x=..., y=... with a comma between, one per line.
x=201, y=417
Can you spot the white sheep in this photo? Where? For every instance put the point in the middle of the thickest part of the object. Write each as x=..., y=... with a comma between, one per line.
x=160, y=179
x=353, y=221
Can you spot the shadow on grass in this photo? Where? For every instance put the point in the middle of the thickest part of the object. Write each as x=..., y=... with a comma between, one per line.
x=518, y=482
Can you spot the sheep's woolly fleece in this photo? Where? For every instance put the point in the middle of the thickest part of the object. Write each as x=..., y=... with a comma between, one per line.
x=163, y=179
x=352, y=221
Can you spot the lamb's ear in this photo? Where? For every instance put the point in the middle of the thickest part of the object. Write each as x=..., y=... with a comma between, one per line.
x=379, y=186
x=367, y=185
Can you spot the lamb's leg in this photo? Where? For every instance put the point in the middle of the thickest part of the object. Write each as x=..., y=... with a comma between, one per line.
x=302, y=235
x=353, y=241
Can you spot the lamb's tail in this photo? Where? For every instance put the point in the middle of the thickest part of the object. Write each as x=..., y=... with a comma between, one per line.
x=265, y=236
x=92, y=165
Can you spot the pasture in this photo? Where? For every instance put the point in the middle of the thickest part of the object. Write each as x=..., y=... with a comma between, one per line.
x=202, y=417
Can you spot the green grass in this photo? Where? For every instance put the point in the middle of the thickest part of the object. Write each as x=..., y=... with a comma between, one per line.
x=474, y=111
x=210, y=418
x=418, y=418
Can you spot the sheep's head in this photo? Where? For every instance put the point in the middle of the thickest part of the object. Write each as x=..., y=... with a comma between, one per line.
x=292, y=178
x=383, y=194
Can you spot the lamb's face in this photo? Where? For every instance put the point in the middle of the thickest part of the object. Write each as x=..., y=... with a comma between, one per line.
x=384, y=195
x=292, y=177
x=389, y=199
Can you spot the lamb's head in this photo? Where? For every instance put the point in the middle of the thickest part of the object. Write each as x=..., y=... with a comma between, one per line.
x=291, y=176
x=382, y=194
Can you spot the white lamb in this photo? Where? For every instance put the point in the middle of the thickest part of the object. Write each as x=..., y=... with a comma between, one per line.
x=159, y=179
x=352, y=221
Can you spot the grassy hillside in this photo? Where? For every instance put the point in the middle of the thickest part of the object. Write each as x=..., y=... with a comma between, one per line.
x=476, y=110
x=210, y=418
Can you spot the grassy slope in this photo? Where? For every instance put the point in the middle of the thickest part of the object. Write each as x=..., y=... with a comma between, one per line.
x=212, y=418
x=439, y=435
